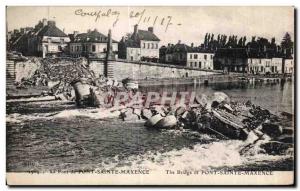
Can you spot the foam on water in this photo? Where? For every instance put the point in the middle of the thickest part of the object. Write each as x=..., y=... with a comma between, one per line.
x=89, y=113
x=43, y=98
x=225, y=153
x=212, y=153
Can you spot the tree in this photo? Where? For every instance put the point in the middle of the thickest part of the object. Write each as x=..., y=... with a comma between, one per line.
x=287, y=46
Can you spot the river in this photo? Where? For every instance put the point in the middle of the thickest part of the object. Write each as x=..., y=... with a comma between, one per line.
x=54, y=135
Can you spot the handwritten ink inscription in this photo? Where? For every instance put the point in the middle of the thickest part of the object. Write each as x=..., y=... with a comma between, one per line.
x=165, y=21
x=99, y=14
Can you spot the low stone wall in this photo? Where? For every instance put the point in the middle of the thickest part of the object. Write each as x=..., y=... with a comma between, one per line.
x=123, y=70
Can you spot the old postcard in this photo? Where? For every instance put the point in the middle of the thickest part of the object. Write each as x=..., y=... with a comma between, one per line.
x=150, y=95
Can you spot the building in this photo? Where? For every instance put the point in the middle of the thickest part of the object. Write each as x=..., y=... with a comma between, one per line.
x=265, y=65
x=141, y=45
x=189, y=56
x=177, y=54
x=90, y=44
x=197, y=58
x=45, y=39
x=19, y=41
x=275, y=66
x=49, y=40
x=231, y=60
x=288, y=66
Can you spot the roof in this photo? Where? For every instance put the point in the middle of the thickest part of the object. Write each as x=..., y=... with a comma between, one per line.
x=146, y=35
x=51, y=30
x=231, y=53
x=180, y=47
x=132, y=44
x=92, y=36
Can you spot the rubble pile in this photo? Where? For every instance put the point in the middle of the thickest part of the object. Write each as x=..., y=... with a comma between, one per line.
x=99, y=92
x=58, y=74
x=226, y=119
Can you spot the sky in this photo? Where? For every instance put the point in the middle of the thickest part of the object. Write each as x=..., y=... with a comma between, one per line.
x=187, y=24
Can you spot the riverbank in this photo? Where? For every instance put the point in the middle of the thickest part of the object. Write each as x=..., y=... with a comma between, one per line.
x=12, y=92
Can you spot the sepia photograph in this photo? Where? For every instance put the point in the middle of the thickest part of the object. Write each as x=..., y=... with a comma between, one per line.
x=150, y=95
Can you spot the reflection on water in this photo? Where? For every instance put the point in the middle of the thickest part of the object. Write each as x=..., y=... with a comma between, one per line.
x=37, y=140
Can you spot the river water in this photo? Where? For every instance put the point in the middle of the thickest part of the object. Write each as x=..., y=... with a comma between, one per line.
x=55, y=135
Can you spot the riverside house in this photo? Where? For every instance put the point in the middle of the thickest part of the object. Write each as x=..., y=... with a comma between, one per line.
x=92, y=44
x=141, y=45
x=189, y=56
x=231, y=60
x=265, y=65
x=198, y=58
x=288, y=66
x=45, y=39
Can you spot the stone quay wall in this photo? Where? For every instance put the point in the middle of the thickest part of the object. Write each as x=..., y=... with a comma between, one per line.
x=139, y=71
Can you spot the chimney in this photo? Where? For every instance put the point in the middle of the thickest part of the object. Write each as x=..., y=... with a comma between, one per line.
x=135, y=29
x=75, y=33
x=179, y=42
x=51, y=23
x=123, y=39
x=22, y=30
x=44, y=21
x=169, y=44
x=89, y=30
x=192, y=45
x=150, y=29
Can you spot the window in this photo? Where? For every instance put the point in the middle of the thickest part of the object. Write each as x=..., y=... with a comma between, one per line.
x=152, y=45
x=77, y=48
x=181, y=56
x=93, y=48
x=199, y=64
x=83, y=48
x=205, y=57
x=191, y=64
x=156, y=46
x=261, y=68
x=195, y=56
x=195, y=64
x=144, y=45
x=191, y=56
x=211, y=56
x=148, y=45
